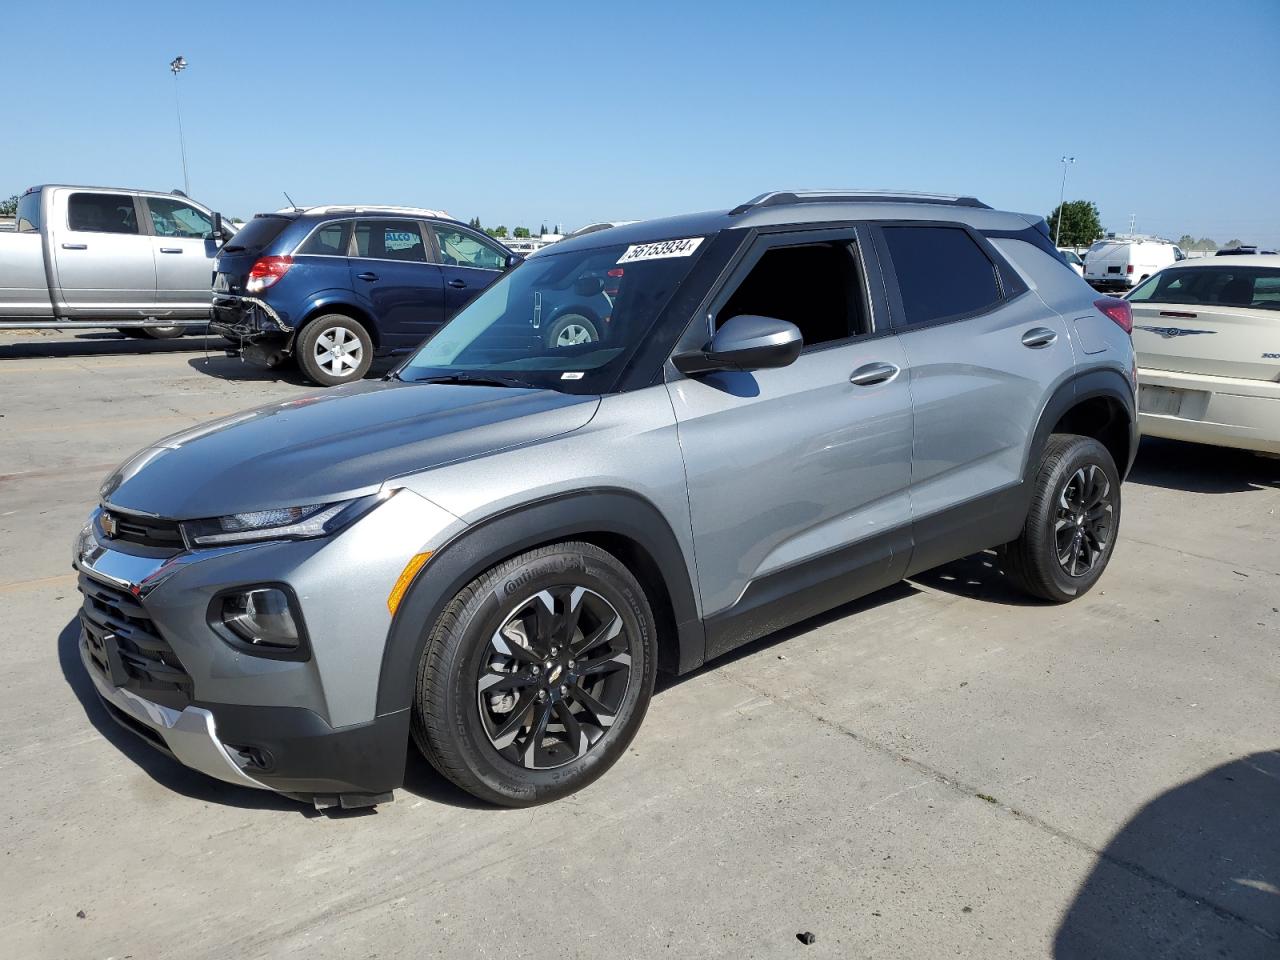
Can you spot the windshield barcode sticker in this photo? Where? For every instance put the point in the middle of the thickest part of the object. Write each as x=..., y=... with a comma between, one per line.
x=660, y=250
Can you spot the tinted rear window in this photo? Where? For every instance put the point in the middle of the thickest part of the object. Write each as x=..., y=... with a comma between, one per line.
x=257, y=233
x=941, y=272
x=102, y=213
x=1225, y=286
x=28, y=219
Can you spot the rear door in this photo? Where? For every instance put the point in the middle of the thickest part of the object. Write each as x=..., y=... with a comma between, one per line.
x=469, y=263
x=1221, y=320
x=391, y=267
x=103, y=256
x=984, y=355
x=184, y=250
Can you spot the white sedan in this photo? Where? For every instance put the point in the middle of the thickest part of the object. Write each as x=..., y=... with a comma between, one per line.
x=1207, y=338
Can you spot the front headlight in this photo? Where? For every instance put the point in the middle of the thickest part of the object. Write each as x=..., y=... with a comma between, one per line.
x=283, y=523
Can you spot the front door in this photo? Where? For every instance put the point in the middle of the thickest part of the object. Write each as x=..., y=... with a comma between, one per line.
x=104, y=261
x=184, y=248
x=469, y=262
x=391, y=269
x=798, y=476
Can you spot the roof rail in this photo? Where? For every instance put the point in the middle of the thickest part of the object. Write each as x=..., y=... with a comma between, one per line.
x=368, y=208
x=780, y=197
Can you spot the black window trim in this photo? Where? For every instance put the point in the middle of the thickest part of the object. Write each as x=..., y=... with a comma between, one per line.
x=1009, y=285
x=140, y=214
x=762, y=240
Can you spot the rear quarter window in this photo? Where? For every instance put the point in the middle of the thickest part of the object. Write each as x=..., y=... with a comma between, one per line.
x=257, y=233
x=28, y=213
x=942, y=273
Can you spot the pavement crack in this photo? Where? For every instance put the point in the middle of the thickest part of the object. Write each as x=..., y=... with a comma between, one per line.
x=967, y=789
x=1233, y=565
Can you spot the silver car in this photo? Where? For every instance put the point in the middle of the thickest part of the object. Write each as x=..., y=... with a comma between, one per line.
x=493, y=550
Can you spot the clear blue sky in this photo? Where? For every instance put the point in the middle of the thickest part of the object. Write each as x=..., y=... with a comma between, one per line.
x=547, y=111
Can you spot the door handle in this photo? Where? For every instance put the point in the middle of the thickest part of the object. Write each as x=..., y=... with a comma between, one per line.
x=1038, y=337
x=366, y=276
x=170, y=249
x=75, y=246
x=873, y=373
x=457, y=284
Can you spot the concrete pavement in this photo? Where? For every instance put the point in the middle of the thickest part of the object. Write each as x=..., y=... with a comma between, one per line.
x=941, y=769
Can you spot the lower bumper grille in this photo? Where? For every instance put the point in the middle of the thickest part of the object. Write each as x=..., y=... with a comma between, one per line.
x=125, y=645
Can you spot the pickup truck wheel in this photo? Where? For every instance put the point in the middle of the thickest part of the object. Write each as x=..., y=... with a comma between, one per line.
x=334, y=349
x=1070, y=530
x=163, y=333
x=537, y=675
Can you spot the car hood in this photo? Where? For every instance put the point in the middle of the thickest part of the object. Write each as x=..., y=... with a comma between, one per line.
x=329, y=446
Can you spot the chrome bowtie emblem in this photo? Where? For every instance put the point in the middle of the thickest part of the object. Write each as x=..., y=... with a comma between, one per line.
x=108, y=525
x=1170, y=332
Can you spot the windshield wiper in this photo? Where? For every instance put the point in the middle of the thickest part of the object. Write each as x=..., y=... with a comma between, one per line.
x=482, y=380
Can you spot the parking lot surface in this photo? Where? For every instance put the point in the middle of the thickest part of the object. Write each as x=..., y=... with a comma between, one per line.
x=941, y=769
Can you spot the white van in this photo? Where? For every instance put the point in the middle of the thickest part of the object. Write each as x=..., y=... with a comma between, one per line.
x=1121, y=263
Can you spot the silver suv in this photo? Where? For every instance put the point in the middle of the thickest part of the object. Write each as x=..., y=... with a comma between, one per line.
x=491, y=551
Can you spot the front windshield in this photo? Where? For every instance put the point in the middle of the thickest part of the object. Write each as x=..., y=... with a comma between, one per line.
x=569, y=321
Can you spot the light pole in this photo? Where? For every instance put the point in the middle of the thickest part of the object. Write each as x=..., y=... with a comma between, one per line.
x=176, y=66
x=1062, y=192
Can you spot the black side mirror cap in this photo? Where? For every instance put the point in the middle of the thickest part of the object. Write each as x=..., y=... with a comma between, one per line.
x=219, y=233
x=745, y=342
x=514, y=260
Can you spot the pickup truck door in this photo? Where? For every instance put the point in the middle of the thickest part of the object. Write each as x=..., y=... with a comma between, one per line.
x=184, y=249
x=103, y=257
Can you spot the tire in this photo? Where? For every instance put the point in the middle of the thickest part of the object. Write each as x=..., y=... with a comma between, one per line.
x=479, y=732
x=171, y=332
x=571, y=328
x=317, y=342
x=1058, y=558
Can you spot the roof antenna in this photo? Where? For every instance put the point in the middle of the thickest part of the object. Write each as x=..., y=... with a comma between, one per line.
x=290, y=199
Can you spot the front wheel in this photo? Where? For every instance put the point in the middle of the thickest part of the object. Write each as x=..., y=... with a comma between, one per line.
x=334, y=349
x=1070, y=530
x=537, y=675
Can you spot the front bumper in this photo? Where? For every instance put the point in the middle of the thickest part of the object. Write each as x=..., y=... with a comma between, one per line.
x=308, y=728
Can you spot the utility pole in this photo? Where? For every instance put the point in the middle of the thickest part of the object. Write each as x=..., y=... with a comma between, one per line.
x=1062, y=192
x=176, y=66
x=1133, y=224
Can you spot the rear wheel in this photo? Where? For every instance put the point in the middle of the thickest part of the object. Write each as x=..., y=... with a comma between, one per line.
x=1070, y=530
x=537, y=675
x=571, y=329
x=334, y=349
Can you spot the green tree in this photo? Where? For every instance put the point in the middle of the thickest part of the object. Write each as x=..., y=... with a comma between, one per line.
x=542, y=229
x=1187, y=242
x=474, y=223
x=521, y=233
x=1204, y=243
x=9, y=207
x=1081, y=224
x=499, y=232
x=1232, y=244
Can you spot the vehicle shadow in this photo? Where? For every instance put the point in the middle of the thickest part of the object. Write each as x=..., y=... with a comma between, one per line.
x=1197, y=468
x=1196, y=872
x=234, y=369
x=97, y=343
x=979, y=576
x=163, y=770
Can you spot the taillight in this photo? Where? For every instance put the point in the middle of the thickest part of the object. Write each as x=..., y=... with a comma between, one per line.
x=1128, y=268
x=612, y=288
x=266, y=271
x=1118, y=310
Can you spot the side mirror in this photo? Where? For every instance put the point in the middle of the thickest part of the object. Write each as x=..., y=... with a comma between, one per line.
x=745, y=342
x=514, y=260
x=219, y=233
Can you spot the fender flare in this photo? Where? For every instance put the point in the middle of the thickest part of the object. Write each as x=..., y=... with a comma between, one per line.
x=1106, y=382
x=327, y=299
x=594, y=511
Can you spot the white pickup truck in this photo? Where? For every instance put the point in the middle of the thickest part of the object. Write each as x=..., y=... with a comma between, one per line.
x=136, y=260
